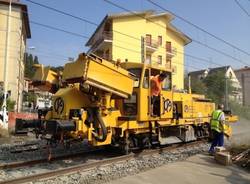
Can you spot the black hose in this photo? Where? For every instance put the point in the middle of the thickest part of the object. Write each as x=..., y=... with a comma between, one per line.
x=99, y=121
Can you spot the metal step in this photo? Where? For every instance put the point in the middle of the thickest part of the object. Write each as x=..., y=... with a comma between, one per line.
x=169, y=140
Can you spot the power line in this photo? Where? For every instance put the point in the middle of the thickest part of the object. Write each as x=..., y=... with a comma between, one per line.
x=199, y=28
x=73, y=16
x=39, y=51
x=61, y=30
x=51, y=27
x=62, y=12
x=196, y=41
x=93, y=23
x=58, y=29
x=86, y=37
x=71, y=33
x=242, y=8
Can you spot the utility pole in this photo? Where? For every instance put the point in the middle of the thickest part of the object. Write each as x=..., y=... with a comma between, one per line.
x=6, y=59
x=226, y=91
x=189, y=84
x=142, y=50
x=243, y=89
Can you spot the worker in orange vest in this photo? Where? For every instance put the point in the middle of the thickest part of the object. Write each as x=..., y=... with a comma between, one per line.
x=156, y=86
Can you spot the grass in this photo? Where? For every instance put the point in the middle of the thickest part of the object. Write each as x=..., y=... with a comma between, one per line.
x=241, y=111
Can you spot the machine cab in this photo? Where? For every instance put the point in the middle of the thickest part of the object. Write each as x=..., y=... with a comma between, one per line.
x=140, y=103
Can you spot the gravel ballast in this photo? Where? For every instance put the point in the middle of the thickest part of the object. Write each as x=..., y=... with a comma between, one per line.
x=110, y=172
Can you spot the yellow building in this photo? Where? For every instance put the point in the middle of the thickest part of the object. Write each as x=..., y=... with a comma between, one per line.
x=142, y=37
x=19, y=32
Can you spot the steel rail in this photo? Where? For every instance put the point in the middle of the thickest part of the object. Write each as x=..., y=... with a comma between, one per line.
x=87, y=166
x=12, y=165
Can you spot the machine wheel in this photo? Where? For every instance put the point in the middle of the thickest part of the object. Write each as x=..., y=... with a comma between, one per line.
x=130, y=143
x=147, y=143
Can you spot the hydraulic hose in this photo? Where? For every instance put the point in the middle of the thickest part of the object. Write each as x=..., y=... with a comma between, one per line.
x=99, y=121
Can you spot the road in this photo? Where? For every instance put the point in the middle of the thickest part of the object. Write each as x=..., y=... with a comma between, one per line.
x=198, y=169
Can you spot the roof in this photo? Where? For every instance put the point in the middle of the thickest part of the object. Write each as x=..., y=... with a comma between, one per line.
x=195, y=73
x=219, y=69
x=16, y=3
x=210, y=71
x=147, y=14
x=246, y=68
x=141, y=65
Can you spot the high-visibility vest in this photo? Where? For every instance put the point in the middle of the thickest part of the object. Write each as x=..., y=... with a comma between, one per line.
x=156, y=90
x=215, y=121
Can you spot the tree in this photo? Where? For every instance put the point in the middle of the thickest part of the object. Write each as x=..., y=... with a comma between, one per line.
x=57, y=68
x=36, y=60
x=213, y=86
x=10, y=103
x=29, y=62
x=197, y=85
x=216, y=87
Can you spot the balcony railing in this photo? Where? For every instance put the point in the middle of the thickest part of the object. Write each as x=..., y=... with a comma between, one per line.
x=151, y=45
x=168, y=64
x=106, y=36
x=171, y=52
x=105, y=56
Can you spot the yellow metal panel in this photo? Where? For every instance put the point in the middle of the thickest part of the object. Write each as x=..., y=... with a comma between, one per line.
x=232, y=118
x=227, y=130
x=72, y=98
x=99, y=73
x=107, y=75
x=143, y=104
x=166, y=104
x=45, y=74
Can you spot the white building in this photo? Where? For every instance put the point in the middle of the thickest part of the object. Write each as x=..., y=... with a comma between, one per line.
x=19, y=32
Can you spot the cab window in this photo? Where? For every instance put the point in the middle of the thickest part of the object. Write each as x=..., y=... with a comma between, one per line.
x=146, y=79
x=137, y=76
x=167, y=83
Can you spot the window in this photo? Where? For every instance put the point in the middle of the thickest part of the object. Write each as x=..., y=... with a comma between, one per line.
x=168, y=47
x=137, y=76
x=146, y=79
x=106, y=54
x=159, y=61
x=167, y=83
x=130, y=105
x=230, y=75
x=159, y=40
x=148, y=59
x=148, y=39
x=168, y=63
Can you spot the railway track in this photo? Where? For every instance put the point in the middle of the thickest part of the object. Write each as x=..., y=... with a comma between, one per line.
x=87, y=166
x=45, y=160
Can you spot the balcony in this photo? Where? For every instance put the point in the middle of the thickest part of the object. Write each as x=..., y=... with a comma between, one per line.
x=104, y=37
x=171, y=52
x=168, y=65
x=151, y=45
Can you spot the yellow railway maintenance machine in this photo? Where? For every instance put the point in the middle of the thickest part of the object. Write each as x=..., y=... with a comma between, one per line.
x=110, y=104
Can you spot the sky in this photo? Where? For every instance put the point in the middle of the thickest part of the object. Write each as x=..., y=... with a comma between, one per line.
x=223, y=18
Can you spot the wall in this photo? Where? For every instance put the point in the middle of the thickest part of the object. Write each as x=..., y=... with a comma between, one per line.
x=245, y=84
x=125, y=47
x=178, y=60
x=14, y=115
x=16, y=52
